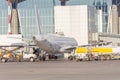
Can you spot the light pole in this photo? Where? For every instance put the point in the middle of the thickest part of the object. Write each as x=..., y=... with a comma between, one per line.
x=13, y=19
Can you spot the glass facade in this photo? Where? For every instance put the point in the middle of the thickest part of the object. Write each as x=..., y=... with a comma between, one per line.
x=3, y=17
x=37, y=16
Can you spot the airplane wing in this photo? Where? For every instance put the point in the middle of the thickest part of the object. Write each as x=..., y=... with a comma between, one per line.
x=85, y=45
x=11, y=42
x=12, y=47
x=68, y=49
x=96, y=44
x=15, y=45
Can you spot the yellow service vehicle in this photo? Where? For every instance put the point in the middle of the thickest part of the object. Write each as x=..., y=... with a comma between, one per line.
x=97, y=53
x=102, y=53
x=81, y=53
x=1, y=53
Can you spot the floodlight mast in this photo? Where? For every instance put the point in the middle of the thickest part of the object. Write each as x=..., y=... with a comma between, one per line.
x=13, y=19
x=9, y=27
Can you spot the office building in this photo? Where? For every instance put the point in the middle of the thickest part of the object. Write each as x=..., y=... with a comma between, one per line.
x=114, y=18
x=75, y=21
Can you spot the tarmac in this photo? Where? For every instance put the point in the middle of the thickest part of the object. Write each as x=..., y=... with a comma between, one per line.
x=61, y=70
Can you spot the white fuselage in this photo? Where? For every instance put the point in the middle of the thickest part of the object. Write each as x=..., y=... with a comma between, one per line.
x=55, y=43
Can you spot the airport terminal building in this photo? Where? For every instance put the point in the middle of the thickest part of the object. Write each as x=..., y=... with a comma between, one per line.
x=37, y=16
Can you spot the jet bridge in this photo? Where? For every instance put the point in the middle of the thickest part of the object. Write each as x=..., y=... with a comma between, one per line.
x=106, y=37
x=114, y=38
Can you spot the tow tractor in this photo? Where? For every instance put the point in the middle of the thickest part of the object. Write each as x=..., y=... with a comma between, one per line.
x=8, y=57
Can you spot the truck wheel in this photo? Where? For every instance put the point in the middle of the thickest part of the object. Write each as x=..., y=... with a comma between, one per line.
x=43, y=58
x=96, y=58
x=81, y=59
x=70, y=58
x=32, y=59
x=4, y=60
x=50, y=57
x=55, y=57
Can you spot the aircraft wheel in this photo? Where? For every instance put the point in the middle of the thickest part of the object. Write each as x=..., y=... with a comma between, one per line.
x=55, y=57
x=96, y=59
x=81, y=59
x=50, y=57
x=43, y=58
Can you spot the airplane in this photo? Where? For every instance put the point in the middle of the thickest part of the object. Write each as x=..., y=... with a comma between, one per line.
x=54, y=43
